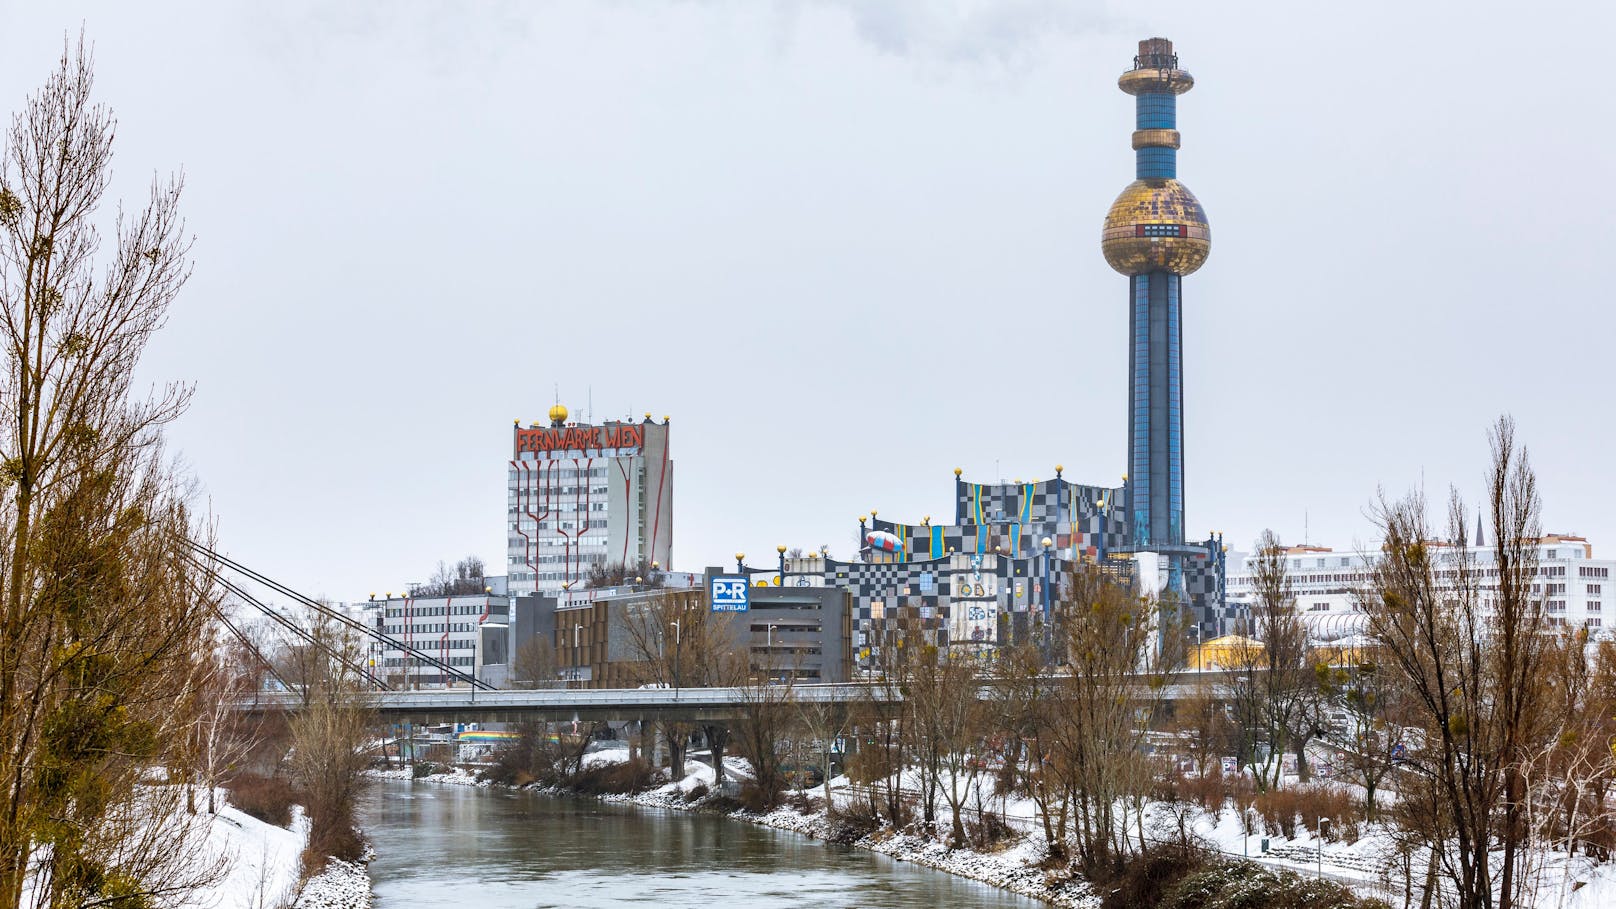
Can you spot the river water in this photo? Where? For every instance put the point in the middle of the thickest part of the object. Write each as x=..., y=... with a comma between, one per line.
x=460, y=846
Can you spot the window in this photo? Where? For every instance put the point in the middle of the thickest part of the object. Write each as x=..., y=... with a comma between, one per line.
x=1593, y=606
x=1593, y=622
x=1160, y=230
x=1593, y=589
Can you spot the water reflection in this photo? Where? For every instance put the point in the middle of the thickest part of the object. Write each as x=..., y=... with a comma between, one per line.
x=448, y=845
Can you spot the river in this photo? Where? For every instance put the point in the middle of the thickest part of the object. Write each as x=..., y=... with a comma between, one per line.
x=499, y=849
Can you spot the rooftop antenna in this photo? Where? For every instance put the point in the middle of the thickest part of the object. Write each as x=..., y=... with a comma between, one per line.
x=589, y=405
x=1305, y=539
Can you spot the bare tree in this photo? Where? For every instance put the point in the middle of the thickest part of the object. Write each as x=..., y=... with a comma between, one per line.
x=677, y=642
x=1202, y=727
x=1029, y=700
x=946, y=719
x=223, y=734
x=762, y=727
x=826, y=723
x=331, y=736
x=1116, y=682
x=535, y=663
x=466, y=578
x=1466, y=641
x=1371, y=738
x=100, y=606
x=1271, y=679
x=617, y=574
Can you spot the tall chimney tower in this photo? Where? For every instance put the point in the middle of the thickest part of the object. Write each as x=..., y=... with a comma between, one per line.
x=1156, y=233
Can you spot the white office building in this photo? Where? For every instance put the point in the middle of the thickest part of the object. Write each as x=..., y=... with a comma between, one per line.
x=1325, y=584
x=451, y=630
x=582, y=495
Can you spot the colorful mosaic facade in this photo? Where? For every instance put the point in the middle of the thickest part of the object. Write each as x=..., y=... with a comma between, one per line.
x=985, y=578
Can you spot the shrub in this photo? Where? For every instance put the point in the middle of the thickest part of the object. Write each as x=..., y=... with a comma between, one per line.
x=803, y=802
x=1146, y=877
x=1245, y=885
x=331, y=841
x=424, y=769
x=853, y=822
x=1281, y=809
x=697, y=793
x=634, y=775
x=1210, y=792
x=988, y=830
x=268, y=798
x=757, y=798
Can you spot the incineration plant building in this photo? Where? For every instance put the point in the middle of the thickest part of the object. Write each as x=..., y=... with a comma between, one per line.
x=987, y=574
x=581, y=495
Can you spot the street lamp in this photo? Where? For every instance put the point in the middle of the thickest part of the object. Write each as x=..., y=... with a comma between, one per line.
x=1324, y=827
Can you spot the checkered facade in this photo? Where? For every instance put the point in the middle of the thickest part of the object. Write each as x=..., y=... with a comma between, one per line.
x=981, y=579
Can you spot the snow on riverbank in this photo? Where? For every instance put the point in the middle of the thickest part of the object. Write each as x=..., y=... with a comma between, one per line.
x=261, y=868
x=342, y=885
x=260, y=862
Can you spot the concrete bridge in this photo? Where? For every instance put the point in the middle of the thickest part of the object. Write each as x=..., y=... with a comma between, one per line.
x=461, y=705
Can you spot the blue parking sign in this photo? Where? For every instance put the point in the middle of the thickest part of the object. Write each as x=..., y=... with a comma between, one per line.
x=730, y=594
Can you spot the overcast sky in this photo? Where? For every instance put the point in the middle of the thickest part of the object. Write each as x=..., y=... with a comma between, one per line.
x=849, y=247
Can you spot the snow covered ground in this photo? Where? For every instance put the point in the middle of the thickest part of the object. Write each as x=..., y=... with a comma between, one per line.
x=342, y=885
x=260, y=861
x=262, y=865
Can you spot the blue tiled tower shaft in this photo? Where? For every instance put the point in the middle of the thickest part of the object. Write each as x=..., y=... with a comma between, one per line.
x=1156, y=389
x=1156, y=409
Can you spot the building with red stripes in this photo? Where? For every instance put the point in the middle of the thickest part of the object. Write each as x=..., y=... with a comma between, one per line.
x=581, y=495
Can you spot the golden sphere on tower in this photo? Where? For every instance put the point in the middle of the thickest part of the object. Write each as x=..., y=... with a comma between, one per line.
x=1156, y=225
x=558, y=415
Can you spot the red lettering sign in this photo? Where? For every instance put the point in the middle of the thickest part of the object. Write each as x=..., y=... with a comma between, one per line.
x=580, y=438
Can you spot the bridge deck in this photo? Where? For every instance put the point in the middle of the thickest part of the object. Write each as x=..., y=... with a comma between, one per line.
x=563, y=704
